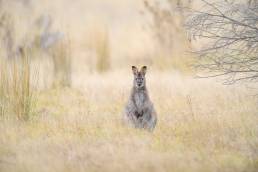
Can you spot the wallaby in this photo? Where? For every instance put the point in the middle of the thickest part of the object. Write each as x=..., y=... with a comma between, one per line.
x=139, y=111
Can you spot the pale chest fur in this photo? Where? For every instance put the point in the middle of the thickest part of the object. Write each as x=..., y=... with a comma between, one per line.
x=139, y=99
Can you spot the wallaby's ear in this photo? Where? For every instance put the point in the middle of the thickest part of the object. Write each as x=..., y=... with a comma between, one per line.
x=135, y=70
x=144, y=70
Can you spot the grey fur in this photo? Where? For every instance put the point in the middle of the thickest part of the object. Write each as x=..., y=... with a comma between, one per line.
x=139, y=111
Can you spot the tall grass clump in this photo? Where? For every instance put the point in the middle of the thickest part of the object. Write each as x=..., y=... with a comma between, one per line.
x=61, y=54
x=17, y=95
x=102, y=48
x=3, y=88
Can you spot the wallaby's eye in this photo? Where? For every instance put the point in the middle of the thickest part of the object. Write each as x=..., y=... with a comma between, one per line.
x=139, y=80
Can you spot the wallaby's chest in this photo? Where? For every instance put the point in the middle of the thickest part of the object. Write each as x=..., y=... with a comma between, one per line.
x=139, y=99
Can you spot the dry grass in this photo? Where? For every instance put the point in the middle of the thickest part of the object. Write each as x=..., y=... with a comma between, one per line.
x=102, y=49
x=17, y=98
x=202, y=126
x=61, y=57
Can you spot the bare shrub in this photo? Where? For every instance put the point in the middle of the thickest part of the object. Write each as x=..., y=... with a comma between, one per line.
x=7, y=33
x=231, y=34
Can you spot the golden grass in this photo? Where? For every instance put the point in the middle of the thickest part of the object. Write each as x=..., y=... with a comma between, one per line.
x=202, y=126
x=61, y=57
x=102, y=49
x=16, y=92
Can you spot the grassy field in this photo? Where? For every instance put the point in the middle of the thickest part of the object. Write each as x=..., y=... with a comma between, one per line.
x=202, y=126
x=61, y=107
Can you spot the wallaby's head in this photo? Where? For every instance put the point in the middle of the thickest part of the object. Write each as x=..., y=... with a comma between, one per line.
x=139, y=76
